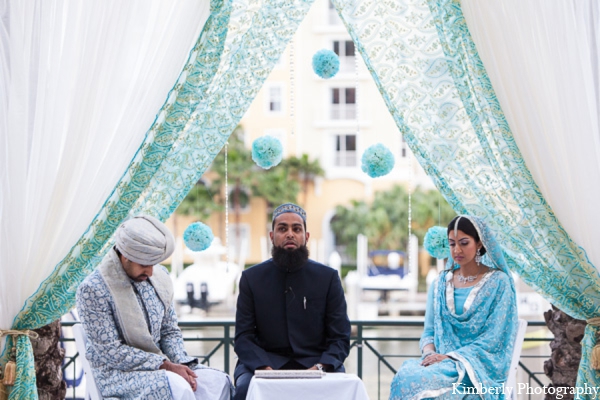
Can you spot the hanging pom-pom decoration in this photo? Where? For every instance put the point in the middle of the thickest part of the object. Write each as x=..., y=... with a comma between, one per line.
x=267, y=151
x=10, y=373
x=326, y=63
x=198, y=236
x=377, y=161
x=436, y=242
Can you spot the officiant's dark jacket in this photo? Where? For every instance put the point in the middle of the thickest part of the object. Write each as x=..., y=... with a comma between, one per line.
x=283, y=316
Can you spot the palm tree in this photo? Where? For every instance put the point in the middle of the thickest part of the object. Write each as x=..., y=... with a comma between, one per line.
x=201, y=201
x=429, y=208
x=275, y=187
x=240, y=175
x=385, y=220
x=305, y=171
x=348, y=222
x=208, y=195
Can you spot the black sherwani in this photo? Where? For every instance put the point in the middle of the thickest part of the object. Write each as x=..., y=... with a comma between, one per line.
x=290, y=316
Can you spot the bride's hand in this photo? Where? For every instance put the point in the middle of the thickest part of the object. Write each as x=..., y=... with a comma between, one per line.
x=433, y=359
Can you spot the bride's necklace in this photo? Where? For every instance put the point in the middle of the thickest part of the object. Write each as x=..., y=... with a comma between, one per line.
x=466, y=279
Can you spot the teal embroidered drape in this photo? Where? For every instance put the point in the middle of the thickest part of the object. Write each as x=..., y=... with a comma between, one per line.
x=238, y=47
x=429, y=73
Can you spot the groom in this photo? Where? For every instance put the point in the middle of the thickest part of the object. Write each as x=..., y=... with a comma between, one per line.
x=135, y=346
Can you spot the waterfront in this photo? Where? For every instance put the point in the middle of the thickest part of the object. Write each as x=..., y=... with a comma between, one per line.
x=394, y=345
x=381, y=345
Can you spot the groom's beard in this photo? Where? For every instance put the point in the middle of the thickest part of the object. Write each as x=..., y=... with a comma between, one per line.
x=290, y=260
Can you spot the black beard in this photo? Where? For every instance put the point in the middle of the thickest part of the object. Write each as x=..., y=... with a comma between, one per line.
x=290, y=260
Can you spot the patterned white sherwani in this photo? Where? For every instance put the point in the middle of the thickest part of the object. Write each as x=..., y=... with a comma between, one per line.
x=126, y=372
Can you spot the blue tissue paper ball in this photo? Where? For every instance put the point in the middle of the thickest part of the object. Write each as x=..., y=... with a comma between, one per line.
x=326, y=63
x=198, y=236
x=436, y=242
x=267, y=151
x=377, y=161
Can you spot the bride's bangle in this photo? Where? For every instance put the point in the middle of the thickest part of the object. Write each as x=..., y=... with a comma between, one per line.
x=428, y=353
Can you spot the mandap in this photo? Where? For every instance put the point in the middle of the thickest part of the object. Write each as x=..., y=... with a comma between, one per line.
x=112, y=108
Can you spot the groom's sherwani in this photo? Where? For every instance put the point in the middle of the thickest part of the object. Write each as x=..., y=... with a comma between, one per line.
x=132, y=328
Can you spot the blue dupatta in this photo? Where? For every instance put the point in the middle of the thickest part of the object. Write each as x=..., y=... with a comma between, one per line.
x=479, y=341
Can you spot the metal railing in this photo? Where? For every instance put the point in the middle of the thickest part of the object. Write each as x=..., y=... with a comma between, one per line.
x=364, y=342
x=343, y=111
x=220, y=334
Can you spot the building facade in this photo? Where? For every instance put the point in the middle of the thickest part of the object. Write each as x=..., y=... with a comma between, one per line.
x=333, y=121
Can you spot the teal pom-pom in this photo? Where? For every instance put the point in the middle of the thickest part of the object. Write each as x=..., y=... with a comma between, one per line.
x=326, y=63
x=198, y=236
x=377, y=160
x=436, y=242
x=267, y=151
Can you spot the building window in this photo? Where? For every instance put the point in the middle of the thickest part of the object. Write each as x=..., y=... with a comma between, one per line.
x=403, y=148
x=343, y=103
x=345, y=51
x=275, y=99
x=345, y=150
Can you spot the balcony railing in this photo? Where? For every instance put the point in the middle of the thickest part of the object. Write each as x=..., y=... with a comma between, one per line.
x=343, y=111
x=345, y=159
x=369, y=345
x=347, y=64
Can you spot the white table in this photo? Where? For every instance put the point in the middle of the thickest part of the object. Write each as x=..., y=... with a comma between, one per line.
x=331, y=387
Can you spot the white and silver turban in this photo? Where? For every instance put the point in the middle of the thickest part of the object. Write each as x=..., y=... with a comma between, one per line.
x=144, y=240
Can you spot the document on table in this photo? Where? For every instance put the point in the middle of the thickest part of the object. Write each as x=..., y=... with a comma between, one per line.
x=289, y=374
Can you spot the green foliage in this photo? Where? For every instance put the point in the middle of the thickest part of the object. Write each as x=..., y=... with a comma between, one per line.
x=385, y=220
x=205, y=199
x=277, y=185
x=240, y=170
x=239, y=158
x=200, y=202
x=305, y=171
x=303, y=168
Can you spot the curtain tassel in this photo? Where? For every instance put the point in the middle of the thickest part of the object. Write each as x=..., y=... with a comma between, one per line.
x=596, y=357
x=10, y=369
x=10, y=374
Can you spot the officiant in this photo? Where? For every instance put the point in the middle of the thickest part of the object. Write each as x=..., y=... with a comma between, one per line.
x=291, y=311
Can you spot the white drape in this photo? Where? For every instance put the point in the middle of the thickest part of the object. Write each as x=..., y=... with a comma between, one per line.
x=542, y=57
x=80, y=84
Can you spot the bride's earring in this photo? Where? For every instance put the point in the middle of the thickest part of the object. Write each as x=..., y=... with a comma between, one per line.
x=478, y=257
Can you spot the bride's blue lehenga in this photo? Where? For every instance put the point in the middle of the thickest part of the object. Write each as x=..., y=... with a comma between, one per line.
x=474, y=326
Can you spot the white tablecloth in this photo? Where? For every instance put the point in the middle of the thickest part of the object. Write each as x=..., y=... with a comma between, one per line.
x=331, y=387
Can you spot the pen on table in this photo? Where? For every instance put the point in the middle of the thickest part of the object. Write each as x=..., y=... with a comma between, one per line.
x=305, y=302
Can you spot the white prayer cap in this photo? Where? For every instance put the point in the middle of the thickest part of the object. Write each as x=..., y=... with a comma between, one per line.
x=144, y=240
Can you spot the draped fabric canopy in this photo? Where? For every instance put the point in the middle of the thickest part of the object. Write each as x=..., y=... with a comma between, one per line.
x=436, y=86
x=66, y=181
x=81, y=83
x=542, y=58
x=545, y=70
